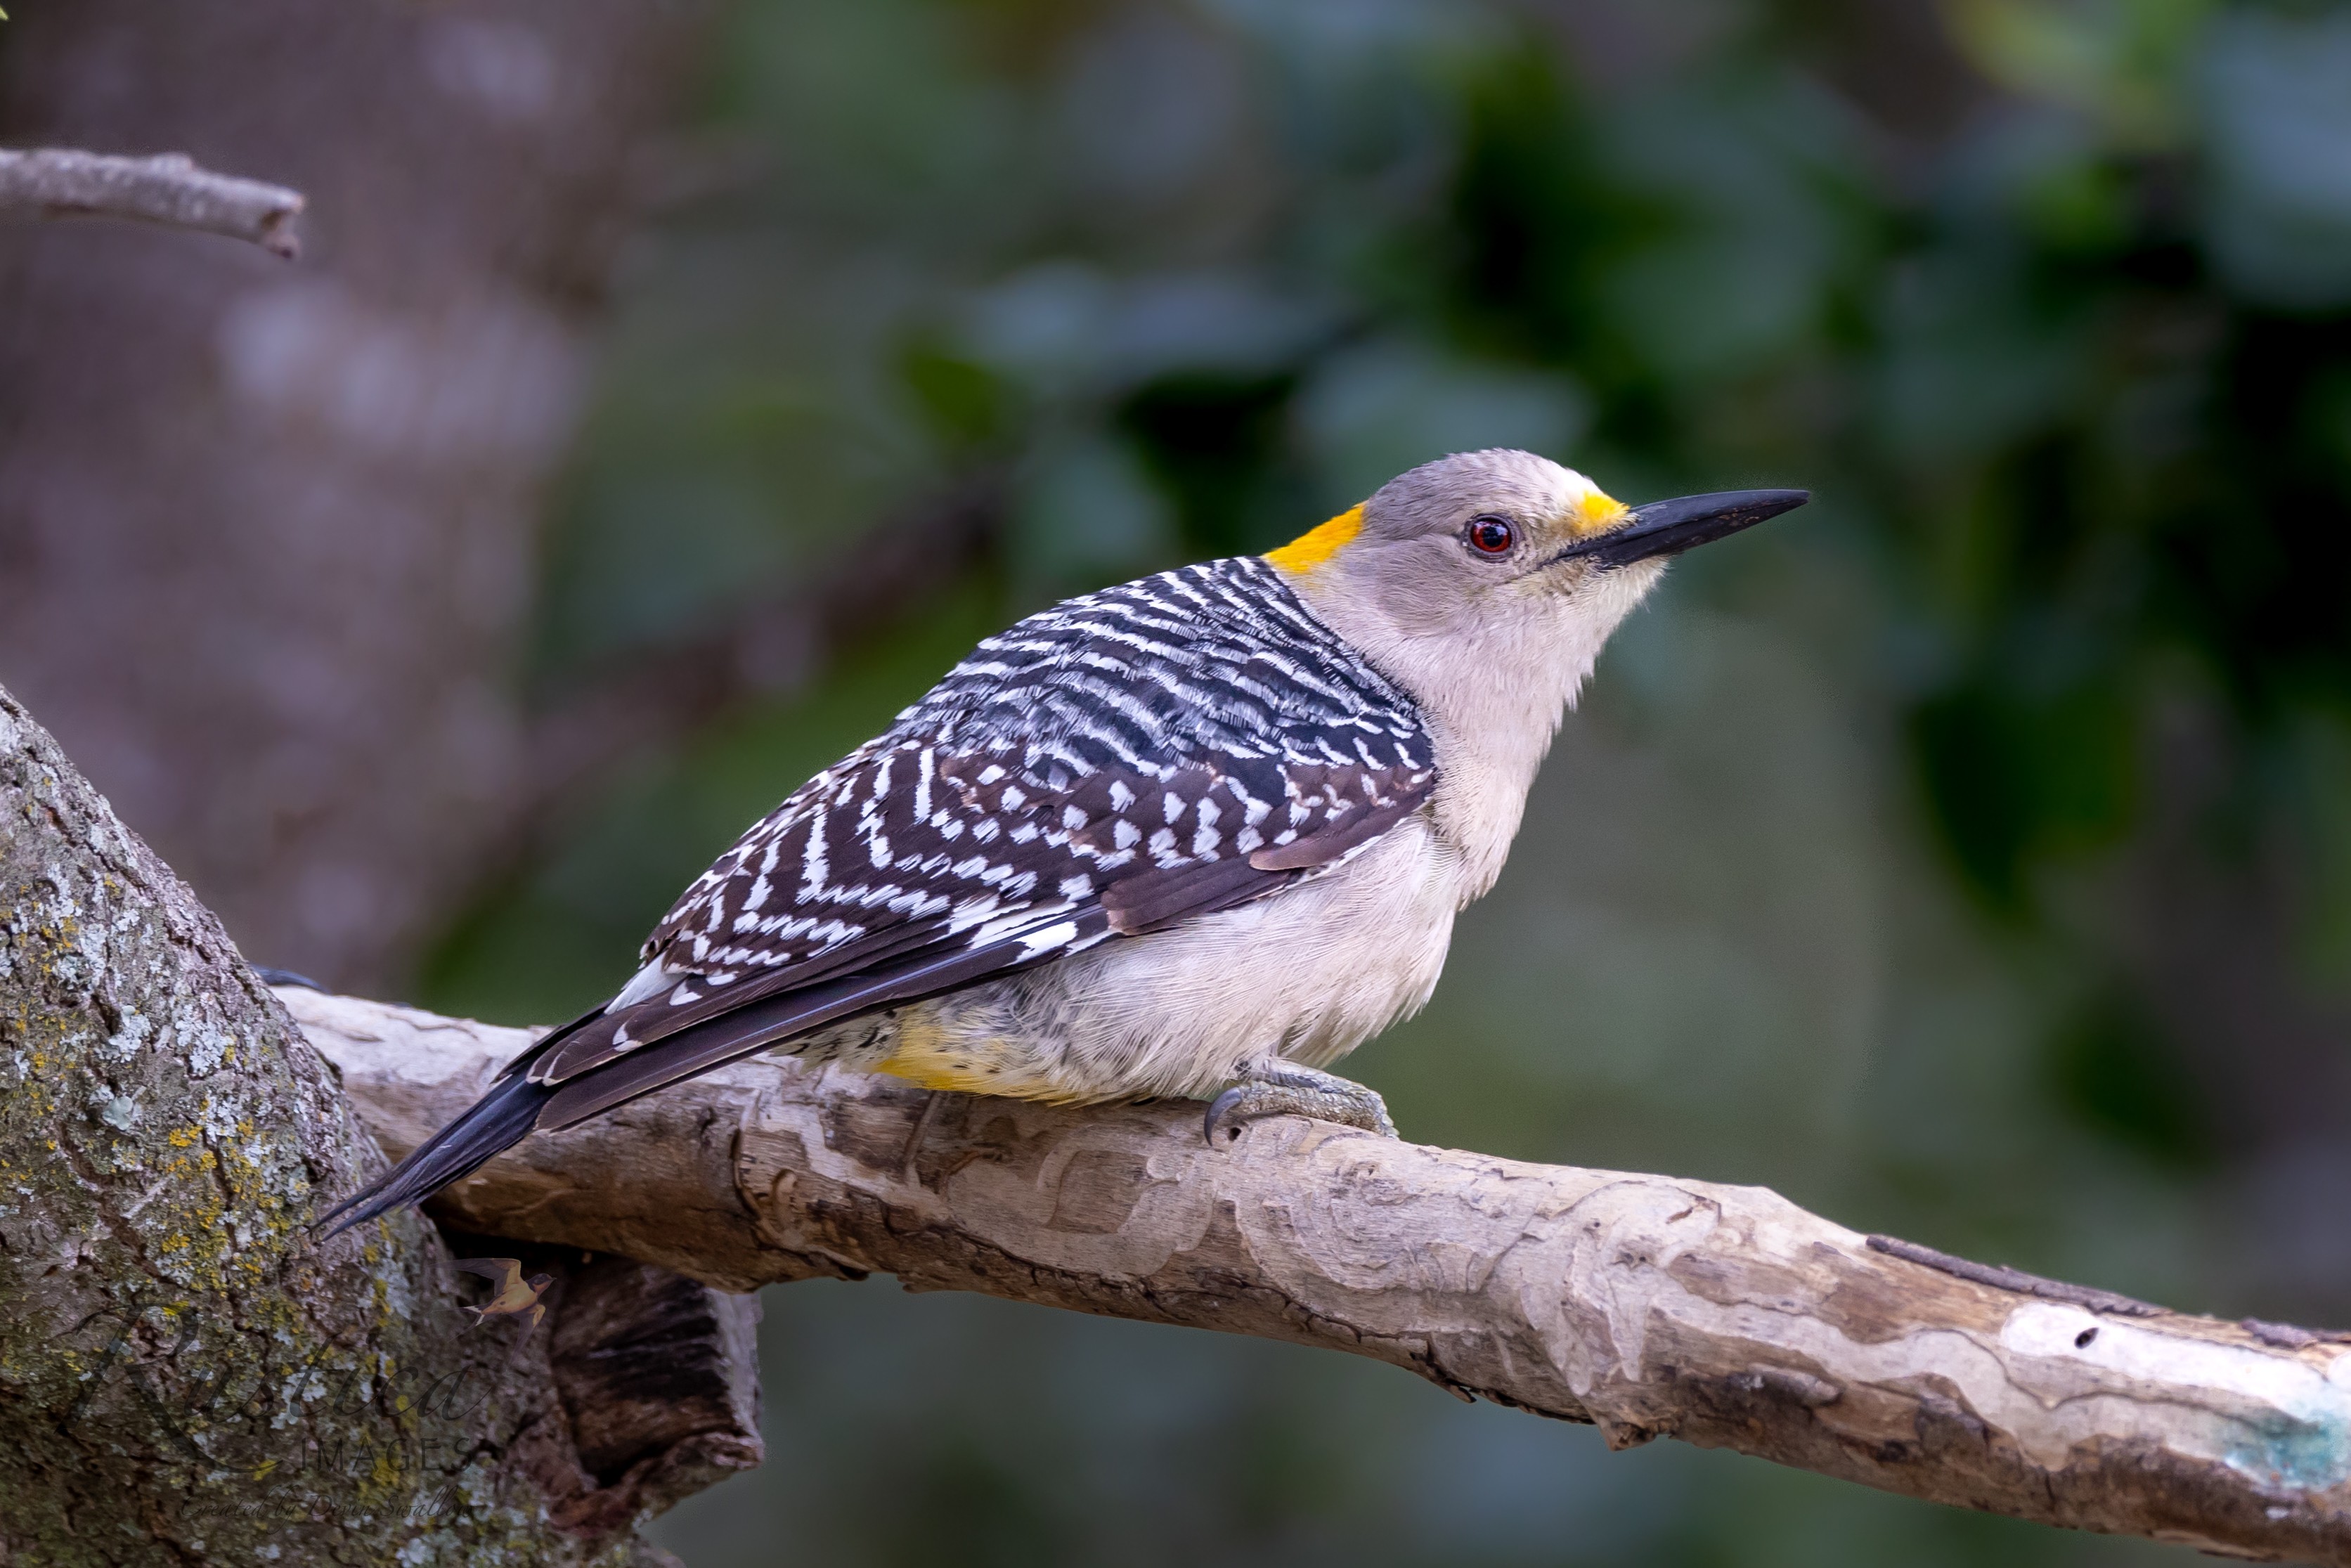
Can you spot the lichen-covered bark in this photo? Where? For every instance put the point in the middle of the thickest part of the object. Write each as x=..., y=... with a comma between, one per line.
x=1649, y=1305
x=185, y=1375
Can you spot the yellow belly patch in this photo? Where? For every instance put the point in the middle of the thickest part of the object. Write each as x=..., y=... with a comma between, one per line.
x=929, y=1057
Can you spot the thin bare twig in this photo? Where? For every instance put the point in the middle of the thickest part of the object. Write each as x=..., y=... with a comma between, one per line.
x=168, y=188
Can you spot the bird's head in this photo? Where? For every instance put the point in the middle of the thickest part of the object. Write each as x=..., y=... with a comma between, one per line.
x=1484, y=537
x=1487, y=581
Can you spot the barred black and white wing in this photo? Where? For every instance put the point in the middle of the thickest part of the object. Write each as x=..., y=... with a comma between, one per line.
x=1129, y=759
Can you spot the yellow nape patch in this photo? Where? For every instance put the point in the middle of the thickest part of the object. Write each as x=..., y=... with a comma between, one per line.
x=1312, y=548
x=1595, y=514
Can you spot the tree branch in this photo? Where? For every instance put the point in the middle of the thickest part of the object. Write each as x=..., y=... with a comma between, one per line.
x=165, y=189
x=170, y=1334
x=1650, y=1306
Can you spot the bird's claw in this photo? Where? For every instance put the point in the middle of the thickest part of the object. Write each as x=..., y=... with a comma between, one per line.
x=1291, y=1091
x=1218, y=1109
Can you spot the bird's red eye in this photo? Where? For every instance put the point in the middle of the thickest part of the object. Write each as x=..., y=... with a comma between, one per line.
x=1492, y=534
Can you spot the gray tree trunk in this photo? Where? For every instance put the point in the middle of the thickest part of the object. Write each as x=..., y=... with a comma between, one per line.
x=267, y=536
x=185, y=1374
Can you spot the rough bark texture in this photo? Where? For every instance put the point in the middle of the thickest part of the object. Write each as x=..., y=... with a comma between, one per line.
x=166, y=189
x=1721, y=1315
x=267, y=542
x=184, y=1377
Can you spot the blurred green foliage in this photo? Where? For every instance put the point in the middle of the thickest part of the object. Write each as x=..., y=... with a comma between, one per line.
x=1821, y=889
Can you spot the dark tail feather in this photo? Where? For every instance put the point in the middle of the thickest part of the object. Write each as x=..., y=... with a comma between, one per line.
x=497, y=1121
x=514, y=1106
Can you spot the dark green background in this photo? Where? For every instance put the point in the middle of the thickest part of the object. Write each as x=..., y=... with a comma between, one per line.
x=1967, y=855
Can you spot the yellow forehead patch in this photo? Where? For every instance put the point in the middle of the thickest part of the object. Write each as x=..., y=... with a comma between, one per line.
x=1594, y=514
x=1319, y=544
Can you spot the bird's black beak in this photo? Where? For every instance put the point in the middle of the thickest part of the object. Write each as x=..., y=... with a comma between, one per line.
x=1669, y=528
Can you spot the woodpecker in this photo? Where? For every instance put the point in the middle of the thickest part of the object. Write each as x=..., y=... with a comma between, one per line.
x=1199, y=835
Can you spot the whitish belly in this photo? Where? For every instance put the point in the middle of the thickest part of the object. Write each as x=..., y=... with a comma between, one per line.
x=1309, y=974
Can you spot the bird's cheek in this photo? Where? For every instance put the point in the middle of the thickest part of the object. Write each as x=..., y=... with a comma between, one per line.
x=1637, y=579
x=1564, y=579
x=1440, y=611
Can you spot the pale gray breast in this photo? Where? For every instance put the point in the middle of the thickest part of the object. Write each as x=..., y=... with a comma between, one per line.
x=1308, y=974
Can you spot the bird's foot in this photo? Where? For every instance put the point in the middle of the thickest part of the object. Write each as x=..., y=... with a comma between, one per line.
x=1285, y=1089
